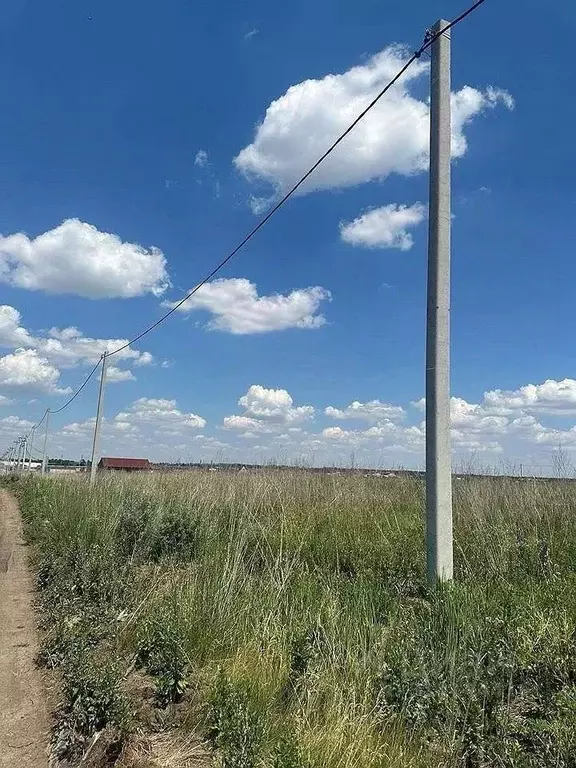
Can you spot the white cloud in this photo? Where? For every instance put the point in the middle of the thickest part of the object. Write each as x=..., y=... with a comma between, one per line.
x=77, y=258
x=12, y=334
x=386, y=434
x=385, y=227
x=151, y=427
x=267, y=410
x=14, y=426
x=249, y=35
x=392, y=138
x=5, y=400
x=141, y=358
x=238, y=309
x=26, y=369
x=504, y=418
x=273, y=405
x=81, y=428
x=372, y=411
x=556, y=398
x=161, y=414
x=337, y=433
x=243, y=423
x=67, y=347
x=201, y=159
x=114, y=375
x=473, y=417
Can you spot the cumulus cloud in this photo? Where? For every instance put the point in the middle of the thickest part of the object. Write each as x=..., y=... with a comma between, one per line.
x=161, y=414
x=337, y=433
x=556, y=398
x=372, y=411
x=237, y=308
x=14, y=426
x=503, y=421
x=473, y=417
x=77, y=258
x=385, y=227
x=12, y=334
x=68, y=347
x=392, y=138
x=5, y=400
x=273, y=405
x=115, y=375
x=266, y=410
x=26, y=369
x=503, y=416
x=244, y=423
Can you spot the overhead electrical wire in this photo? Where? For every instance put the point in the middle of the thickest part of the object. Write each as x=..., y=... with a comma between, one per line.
x=429, y=39
x=80, y=388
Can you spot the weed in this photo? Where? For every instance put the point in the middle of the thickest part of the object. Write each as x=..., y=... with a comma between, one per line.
x=92, y=702
x=236, y=728
x=160, y=653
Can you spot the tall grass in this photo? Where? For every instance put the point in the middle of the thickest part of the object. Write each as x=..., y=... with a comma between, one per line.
x=288, y=614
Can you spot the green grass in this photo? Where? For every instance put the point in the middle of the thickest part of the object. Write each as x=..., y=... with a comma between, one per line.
x=286, y=618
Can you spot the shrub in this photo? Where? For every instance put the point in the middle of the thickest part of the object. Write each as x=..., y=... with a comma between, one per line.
x=236, y=728
x=92, y=701
x=160, y=653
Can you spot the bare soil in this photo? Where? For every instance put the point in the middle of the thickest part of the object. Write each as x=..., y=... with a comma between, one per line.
x=24, y=718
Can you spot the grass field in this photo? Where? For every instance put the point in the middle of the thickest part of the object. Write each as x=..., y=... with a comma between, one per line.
x=282, y=619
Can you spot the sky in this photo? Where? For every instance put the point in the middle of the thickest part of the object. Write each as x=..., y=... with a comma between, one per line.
x=139, y=143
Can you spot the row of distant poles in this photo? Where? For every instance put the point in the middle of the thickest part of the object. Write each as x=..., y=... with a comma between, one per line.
x=21, y=453
x=438, y=448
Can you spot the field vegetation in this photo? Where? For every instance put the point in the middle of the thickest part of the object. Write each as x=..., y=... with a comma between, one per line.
x=282, y=620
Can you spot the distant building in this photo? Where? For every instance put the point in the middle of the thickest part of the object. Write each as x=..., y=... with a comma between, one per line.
x=124, y=465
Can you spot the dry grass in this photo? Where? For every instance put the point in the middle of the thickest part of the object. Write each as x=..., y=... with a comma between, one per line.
x=165, y=750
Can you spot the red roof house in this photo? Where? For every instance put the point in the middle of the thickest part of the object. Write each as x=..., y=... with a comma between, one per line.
x=125, y=465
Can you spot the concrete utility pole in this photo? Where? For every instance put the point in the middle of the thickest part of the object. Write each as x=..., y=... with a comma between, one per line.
x=46, y=428
x=30, y=449
x=96, y=441
x=438, y=448
x=23, y=453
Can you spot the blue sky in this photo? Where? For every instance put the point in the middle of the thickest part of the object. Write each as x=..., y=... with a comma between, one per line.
x=138, y=139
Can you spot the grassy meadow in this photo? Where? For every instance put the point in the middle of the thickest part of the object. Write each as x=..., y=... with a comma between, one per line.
x=281, y=619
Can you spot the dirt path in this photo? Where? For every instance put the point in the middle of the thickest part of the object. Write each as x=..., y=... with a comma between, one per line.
x=24, y=720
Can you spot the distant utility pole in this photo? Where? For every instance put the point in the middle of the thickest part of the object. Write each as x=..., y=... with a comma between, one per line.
x=96, y=441
x=46, y=428
x=30, y=449
x=438, y=448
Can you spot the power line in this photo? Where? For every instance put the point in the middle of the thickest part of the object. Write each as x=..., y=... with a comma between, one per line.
x=75, y=395
x=428, y=40
x=38, y=424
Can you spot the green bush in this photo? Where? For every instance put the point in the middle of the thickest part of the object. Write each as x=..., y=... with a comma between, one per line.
x=160, y=653
x=236, y=728
x=92, y=701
